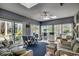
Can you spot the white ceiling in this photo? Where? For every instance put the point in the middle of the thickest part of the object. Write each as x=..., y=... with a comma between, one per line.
x=35, y=12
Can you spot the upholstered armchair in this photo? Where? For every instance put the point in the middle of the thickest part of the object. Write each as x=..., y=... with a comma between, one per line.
x=74, y=51
x=66, y=42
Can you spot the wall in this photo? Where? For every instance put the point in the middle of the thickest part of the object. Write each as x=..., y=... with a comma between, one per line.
x=10, y=16
x=59, y=21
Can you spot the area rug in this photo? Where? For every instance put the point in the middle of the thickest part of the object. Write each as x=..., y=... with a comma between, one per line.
x=38, y=49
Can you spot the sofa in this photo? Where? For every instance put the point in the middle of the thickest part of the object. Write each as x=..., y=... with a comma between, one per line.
x=15, y=51
x=7, y=48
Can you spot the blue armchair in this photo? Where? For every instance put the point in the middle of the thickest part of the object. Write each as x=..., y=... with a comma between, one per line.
x=29, y=40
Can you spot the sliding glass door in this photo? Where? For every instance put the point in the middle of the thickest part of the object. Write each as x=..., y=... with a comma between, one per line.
x=5, y=30
x=10, y=30
x=47, y=31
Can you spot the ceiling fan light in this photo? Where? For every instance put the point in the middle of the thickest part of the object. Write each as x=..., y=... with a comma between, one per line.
x=54, y=17
x=46, y=18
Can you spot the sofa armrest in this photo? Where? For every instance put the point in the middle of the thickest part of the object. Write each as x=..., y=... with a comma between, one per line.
x=66, y=52
x=27, y=53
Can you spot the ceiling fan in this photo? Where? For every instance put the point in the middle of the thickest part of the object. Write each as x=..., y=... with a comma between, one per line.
x=47, y=16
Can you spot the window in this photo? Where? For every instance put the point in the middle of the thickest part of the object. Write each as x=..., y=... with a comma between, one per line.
x=44, y=29
x=48, y=30
x=67, y=29
x=2, y=27
x=57, y=30
x=9, y=30
x=35, y=29
x=62, y=30
x=5, y=30
x=18, y=32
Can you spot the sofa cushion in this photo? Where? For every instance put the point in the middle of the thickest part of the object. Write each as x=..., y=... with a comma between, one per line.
x=1, y=45
x=7, y=53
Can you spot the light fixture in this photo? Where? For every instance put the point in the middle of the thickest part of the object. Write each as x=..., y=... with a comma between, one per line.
x=47, y=16
x=29, y=5
x=54, y=17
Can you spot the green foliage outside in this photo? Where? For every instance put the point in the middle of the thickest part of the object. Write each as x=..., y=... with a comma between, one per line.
x=18, y=34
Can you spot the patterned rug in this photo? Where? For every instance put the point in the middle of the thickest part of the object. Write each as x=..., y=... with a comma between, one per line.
x=38, y=49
